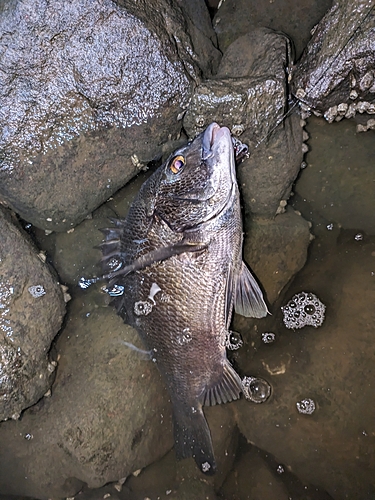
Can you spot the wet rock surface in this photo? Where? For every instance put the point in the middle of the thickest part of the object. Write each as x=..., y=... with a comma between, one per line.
x=338, y=182
x=331, y=447
x=238, y=17
x=31, y=312
x=249, y=95
x=277, y=250
x=108, y=415
x=338, y=65
x=252, y=478
x=186, y=24
x=88, y=94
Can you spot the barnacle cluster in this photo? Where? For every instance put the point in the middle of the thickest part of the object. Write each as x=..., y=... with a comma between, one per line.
x=306, y=406
x=36, y=291
x=304, y=309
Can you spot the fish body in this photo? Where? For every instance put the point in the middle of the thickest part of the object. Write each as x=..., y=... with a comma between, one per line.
x=177, y=259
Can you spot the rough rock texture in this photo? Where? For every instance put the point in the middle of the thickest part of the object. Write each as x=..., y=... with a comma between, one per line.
x=277, y=250
x=252, y=478
x=250, y=96
x=339, y=62
x=84, y=86
x=203, y=36
x=31, y=312
x=188, y=25
x=338, y=182
x=237, y=17
x=108, y=415
x=333, y=448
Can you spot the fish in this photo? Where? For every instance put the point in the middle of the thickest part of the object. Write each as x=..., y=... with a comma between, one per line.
x=175, y=270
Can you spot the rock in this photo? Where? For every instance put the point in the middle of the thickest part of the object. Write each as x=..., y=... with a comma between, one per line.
x=203, y=36
x=108, y=415
x=188, y=24
x=191, y=489
x=252, y=478
x=338, y=64
x=276, y=249
x=338, y=182
x=249, y=96
x=332, y=448
x=32, y=308
x=156, y=479
x=88, y=93
x=237, y=17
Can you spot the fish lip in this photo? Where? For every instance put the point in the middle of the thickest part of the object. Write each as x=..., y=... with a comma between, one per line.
x=211, y=140
x=209, y=136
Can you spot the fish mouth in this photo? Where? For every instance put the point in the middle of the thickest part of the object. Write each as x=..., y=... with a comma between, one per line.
x=217, y=141
x=212, y=135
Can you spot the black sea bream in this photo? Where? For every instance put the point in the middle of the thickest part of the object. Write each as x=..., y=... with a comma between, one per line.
x=176, y=261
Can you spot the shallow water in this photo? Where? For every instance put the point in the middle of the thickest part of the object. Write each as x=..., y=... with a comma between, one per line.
x=331, y=451
x=333, y=364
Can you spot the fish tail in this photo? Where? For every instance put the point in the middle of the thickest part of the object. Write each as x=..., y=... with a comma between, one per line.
x=193, y=438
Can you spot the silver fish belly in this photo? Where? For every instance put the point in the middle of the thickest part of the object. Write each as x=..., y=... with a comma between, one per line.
x=177, y=257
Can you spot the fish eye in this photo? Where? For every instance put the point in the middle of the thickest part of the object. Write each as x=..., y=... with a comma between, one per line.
x=177, y=164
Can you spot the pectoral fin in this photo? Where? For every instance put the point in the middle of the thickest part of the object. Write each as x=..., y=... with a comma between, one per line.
x=157, y=255
x=248, y=300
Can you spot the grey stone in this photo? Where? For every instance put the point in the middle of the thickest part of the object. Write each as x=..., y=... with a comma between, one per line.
x=237, y=17
x=250, y=97
x=203, y=36
x=31, y=312
x=338, y=64
x=187, y=25
x=108, y=415
x=276, y=249
x=252, y=478
x=88, y=93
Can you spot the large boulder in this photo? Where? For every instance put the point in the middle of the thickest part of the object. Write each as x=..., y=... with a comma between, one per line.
x=277, y=250
x=238, y=17
x=31, y=311
x=249, y=95
x=336, y=74
x=108, y=415
x=89, y=91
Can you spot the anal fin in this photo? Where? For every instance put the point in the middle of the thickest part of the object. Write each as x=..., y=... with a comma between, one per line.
x=227, y=388
x=248, y=300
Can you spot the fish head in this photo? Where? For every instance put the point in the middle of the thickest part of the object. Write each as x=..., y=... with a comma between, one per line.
x=198, y=180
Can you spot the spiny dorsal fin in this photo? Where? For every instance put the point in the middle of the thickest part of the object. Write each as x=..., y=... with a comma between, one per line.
x=226, y=389
x=248, y=300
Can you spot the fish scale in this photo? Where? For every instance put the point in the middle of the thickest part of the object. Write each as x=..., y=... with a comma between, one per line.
x=181, y=272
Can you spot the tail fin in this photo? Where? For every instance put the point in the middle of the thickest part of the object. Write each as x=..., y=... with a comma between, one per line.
x=193, y=439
